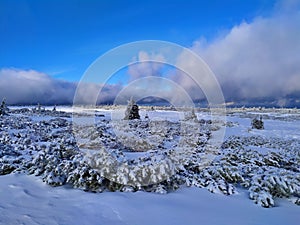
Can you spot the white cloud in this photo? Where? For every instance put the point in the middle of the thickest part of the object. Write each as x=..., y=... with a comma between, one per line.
x=259, y=59
x=144, y=68
x=32, y=87
x=286, y=6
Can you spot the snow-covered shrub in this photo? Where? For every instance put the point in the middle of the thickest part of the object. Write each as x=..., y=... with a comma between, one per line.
x=267, y=175
x=176, y=154
x=87, y=179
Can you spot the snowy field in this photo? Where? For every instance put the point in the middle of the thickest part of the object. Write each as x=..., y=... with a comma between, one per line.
x=27, y=200
x=253, y=179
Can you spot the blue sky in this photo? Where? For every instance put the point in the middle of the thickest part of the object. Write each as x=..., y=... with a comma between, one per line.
x=62, y=38
x=252, y=46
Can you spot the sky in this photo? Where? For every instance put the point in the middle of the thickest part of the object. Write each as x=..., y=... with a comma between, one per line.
x=46, y=46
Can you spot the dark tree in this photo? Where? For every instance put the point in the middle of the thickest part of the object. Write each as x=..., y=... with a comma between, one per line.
x=3, y=108
x=132, y=111
x=257, y=123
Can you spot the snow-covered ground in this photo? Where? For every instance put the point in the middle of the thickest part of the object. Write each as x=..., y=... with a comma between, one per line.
x=26, y=199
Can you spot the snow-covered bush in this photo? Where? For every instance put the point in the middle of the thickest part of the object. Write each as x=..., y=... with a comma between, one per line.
x=267, y=175
x=171, y=155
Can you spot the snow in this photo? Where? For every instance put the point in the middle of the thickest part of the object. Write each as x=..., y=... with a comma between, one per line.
x=273, y=128
x=26, y=200
x=262, y=150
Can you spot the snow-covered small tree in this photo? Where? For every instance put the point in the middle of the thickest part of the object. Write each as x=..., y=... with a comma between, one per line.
x=257, y=123
x=39, y=108
x=191, y=115
x=132, y=111
x=3, y=108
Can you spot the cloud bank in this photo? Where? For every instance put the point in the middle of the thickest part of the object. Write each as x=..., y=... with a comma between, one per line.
x=260, y=60
x=32, y=87
x=22, y=87
x=255, y=62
